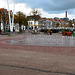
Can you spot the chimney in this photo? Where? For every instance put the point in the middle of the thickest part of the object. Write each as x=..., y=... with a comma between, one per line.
x=66, y=14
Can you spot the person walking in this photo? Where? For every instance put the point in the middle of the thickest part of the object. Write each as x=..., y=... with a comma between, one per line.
x=0, y=31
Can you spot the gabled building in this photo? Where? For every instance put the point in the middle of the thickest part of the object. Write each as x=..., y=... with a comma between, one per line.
x=33, y=21
x=46, y=23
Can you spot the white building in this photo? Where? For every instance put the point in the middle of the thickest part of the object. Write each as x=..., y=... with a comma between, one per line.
x=16, y=27
x=45, y=23
x=33, y=21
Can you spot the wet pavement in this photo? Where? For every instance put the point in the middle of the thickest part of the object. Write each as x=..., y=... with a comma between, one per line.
x=40, y=54
x=21, y=62
x=43, y=40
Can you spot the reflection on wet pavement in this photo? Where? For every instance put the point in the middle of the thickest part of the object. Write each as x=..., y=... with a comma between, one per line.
x=44, y=40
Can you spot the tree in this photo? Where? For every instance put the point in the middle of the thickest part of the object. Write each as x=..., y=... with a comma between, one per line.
x=35, y=12
x=4, y=17
x=70, y=23
x=57, y=24
x=20, y=18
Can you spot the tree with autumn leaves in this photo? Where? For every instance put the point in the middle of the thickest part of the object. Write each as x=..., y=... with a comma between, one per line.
x=21, y=19
x=4, y=18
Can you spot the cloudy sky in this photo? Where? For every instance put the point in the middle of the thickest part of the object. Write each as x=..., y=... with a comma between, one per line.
x=47, y=8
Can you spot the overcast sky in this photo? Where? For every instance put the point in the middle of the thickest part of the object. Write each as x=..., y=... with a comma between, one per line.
x=47, y=8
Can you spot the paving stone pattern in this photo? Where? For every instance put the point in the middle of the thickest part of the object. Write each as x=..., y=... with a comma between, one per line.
x=27, y=54
x=43, y=40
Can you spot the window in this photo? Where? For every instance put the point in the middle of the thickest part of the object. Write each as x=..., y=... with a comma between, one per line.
x=31, y=22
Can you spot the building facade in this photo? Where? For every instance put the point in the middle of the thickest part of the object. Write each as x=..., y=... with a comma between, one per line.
x=33, y=21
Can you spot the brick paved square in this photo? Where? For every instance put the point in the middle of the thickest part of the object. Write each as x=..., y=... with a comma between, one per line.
x=18, y=58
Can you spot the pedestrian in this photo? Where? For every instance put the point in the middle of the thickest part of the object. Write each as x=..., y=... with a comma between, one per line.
x=50, y=32
x=13, y=29
x=0, y=31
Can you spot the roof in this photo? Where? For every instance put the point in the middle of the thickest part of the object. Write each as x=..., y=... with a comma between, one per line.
x=52, y=20
x=44, y=18
x=2, y=9
x=36, y=17
x=48, y=18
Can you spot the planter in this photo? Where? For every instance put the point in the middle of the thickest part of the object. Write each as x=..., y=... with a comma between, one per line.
x=6, y=30
x=48, y=32
x=74, y=34
x=64, y=33
x=69, y=33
